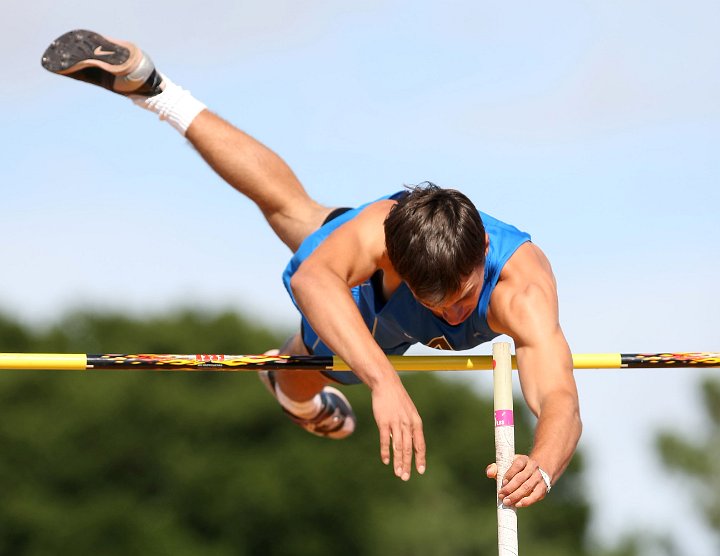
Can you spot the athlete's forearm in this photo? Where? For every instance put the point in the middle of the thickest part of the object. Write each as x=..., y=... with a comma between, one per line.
x=326, y=302
x=548, y=384
x=557, y=433
x=325, y=299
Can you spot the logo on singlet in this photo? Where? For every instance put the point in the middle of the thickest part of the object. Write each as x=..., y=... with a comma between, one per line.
x=440, y=342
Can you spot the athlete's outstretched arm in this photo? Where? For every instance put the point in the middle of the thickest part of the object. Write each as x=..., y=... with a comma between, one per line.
x=528, y=308
x=321, y=286
x=546, y=377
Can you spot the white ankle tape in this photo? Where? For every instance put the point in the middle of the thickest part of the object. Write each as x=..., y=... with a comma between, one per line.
x=174, y=104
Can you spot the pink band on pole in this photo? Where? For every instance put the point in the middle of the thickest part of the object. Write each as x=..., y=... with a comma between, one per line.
x=504, y=418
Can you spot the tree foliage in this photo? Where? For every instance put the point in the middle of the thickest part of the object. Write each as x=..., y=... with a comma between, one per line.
x=182, y=464
x=699, y=459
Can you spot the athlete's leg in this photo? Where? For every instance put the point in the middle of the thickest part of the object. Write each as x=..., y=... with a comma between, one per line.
x=300, y=386
x=257, y=172
x=243, y=162
x=307, y=399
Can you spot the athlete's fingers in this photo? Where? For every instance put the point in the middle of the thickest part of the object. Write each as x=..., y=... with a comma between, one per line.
x=536, y=494
x=523, y=468
x=513, y=484
x=528, y=483
x=518, y=464
x=407, y=452
x=397, y=445
x=419, y=443
x=385, y=444
x=491, y=471
x=523, y=490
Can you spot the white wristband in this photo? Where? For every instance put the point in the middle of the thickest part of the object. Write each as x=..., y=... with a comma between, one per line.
x=546, y=478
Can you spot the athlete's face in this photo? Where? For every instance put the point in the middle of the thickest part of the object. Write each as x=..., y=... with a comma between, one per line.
x=458, y=307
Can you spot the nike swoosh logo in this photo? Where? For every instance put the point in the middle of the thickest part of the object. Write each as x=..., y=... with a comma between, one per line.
x=100, y=52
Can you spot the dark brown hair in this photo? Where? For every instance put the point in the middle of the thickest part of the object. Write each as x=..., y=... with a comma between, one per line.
x=435, y=238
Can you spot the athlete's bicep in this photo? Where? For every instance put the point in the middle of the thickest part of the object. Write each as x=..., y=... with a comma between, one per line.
x=542, y=351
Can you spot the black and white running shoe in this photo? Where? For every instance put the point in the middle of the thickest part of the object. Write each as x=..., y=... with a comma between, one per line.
x=118, y=66
x=336, y=418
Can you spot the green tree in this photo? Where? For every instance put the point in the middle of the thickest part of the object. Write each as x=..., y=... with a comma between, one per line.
x=699, y=460
x=13, y=336
x=127, y=463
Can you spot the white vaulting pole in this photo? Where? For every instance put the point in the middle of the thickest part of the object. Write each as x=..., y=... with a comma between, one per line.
x=504, y=444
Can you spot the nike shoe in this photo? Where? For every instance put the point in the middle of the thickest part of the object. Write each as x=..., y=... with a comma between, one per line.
x=118, y=66
x=336, y=418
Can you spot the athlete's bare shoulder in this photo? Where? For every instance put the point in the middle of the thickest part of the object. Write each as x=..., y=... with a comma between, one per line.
x=369, y=225
x=525, y=298
x=376, y=213
x=356, y=249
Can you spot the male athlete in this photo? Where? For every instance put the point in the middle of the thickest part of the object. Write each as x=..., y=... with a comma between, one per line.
x=421, y=265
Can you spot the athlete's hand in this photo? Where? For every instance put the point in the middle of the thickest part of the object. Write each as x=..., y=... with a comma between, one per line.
x=522, y=485
x=399, y=423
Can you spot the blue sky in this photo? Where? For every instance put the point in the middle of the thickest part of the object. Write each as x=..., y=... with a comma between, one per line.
x=592, y=125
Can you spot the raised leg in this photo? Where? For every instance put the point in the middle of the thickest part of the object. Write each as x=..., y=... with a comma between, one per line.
x=246, y=164
x=258, y=173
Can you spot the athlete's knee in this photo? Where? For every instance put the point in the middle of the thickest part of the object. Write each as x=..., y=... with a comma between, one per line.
x=294, y=345
x=293, y=226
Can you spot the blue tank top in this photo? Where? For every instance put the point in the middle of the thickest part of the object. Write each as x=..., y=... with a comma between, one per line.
x=401, y=321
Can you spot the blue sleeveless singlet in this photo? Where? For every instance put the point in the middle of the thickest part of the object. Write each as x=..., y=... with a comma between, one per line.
x=402, y=321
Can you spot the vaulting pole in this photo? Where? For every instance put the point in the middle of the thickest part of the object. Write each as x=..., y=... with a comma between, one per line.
x=504, y=444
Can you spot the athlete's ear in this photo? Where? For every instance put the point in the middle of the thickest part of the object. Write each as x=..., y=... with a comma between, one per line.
x=487, y=243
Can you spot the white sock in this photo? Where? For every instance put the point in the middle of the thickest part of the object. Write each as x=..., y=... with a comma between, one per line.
x=305, y=410
x=174, y=104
